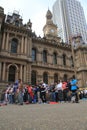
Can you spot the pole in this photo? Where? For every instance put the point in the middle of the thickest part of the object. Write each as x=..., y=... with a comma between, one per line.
x=73, y=54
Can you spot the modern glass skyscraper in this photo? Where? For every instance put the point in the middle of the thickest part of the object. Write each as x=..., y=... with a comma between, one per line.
x=70, y=19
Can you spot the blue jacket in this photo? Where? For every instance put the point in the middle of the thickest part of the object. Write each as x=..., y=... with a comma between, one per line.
x=73, y=84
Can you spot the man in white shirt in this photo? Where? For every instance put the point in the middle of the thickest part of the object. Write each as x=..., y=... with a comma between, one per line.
x=60, y=92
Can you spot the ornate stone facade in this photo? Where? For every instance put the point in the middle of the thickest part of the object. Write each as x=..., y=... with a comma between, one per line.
x=31, y=58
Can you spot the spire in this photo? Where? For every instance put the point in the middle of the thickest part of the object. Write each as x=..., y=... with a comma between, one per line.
x=49, y=17
x=49, y=14
x=29, y=24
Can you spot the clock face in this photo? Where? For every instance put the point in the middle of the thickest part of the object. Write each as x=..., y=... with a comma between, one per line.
x=52, y=30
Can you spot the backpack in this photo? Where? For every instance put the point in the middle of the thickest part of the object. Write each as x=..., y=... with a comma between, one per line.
x=73, y=87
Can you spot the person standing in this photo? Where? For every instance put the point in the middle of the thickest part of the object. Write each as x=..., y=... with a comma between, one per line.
x=20, y=92
x=60, y=91
x=74, y=89
x=30, y=93
x=69, y=90
x=65, y=91
x=43, y=93
x=56, y=92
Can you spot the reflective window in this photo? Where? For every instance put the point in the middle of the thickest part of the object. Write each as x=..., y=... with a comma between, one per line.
x=33, y=54
x=54, y=58
x=11, y=76
x=14, y=45
x=72, y=63
x=64, y=59
x=45, y=77
x=33, y=77
x=45, y=56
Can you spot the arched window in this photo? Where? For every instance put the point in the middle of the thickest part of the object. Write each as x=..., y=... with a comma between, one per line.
x=45, y=77
x=33, y=77
x=72, y=63
x=56, y=78
x=45, y=56
x=64, y=59
x=54, y=58
x=33, y=54
x=65, y=77
x=12, y=71
x=14, y=45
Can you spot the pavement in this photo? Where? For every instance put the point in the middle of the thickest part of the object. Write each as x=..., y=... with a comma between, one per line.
x=61, y=116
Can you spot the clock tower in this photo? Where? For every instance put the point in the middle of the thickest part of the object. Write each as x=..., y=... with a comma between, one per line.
x=50, y=29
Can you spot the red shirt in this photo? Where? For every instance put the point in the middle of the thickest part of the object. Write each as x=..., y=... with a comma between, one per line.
x=64, y=85
x=30, y=91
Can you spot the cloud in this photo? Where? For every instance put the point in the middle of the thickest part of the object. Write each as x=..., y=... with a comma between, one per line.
x=39, y=21
x=34, y=10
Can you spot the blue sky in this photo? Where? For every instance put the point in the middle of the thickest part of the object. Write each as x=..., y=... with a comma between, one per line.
x=34, y=10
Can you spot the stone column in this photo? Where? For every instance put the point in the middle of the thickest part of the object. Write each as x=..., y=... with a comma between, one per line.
x=21, y=72
x=84, y=55
x=0, y=69
x=29, y=47
x=40, y=76
x=19, y=47
x=83, y=79
x=60, y=60
x=24, y=73
x=80, y=58
x=49, y=58
x=28, y=72
x=7, y=39
x=38, y=56
x=85, y=59
x=25, y=46
x=3, y=41
x=68, y=61
x=3, y=71
x=22, y=42
x=16, y=76
x=7, y=74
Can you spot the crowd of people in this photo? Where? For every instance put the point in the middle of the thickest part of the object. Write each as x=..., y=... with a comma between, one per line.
x=18, y=93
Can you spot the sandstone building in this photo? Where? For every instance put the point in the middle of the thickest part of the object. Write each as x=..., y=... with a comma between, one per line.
x=31, y=58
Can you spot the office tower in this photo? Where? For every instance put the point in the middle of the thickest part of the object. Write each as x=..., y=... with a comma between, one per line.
x=70, y=19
